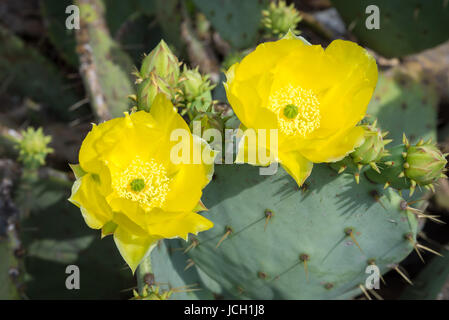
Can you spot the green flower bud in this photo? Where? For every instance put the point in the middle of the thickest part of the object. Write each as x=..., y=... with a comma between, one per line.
x=410, y=165
x=278, y=19
x=33, y=148
x=149, y=88
x=373, y=148
x=196, y=89
x=424, y=163
x=163, y=63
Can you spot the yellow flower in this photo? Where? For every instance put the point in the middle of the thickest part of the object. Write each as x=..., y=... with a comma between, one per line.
x=127, y=184
x=313, y=97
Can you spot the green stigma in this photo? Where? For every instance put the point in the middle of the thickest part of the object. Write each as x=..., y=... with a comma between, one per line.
x=291, y=111
x=137, y=185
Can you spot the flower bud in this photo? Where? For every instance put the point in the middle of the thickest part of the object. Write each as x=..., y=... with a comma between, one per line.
x=424, y=163
x=196, y=89
x=33, y=148
x=149, y=88
x=372, y=149
x=278, y=19
x=163, y=63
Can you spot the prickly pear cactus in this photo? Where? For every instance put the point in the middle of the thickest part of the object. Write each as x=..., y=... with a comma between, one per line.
x=410, y=166
x=236, y=21
x=272, y=240
x=175, y=272
x=405, y=27
x=403, y=104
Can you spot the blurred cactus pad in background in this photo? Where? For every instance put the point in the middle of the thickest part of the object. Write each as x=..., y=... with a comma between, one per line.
x=384, y=205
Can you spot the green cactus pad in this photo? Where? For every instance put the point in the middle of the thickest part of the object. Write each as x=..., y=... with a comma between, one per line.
x=169, y=264
x=260, y=257
x=406, y=27
x=402, y=104
x=236, y=21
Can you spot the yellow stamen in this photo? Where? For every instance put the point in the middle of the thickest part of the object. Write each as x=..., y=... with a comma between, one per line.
x=144, y=182
x=307, y=110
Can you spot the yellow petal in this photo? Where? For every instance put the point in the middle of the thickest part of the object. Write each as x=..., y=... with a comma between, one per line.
x=133, y=248
x=296, y=165
x=355, y=71
x=86, y=195
x=166, y=115
x=334, y=148
x=192, y=177
x=255, y=149
x=265, y=57
x=176, y=224
x=88, y=155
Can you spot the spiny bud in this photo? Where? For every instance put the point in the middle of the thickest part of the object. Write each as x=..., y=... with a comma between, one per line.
x=196, y=89
x=278, y=19
x=424, y=163
x=33, y=148
x=373, y=148
x=163, y=63
x=408, y=166
x=149, y=88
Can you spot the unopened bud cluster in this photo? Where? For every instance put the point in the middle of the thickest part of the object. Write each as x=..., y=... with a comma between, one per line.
x=279, y=18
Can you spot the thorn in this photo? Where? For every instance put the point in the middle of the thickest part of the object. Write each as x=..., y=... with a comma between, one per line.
x=428, y=249
x=384, y=134
x=419, y=214
x=429, y=141
x=386, y=185
x=404, y=155
x=401, y=175
x=387, y=141
x=409, y=238
x=403, y=275
x=192, y=245
x=190, y=263
x=349, y=232
x=365, y=292
x=360, y=166
x=227, y=233
x=304, y=258
x=443, y=176
x=406, y=165
x=357, y=178
x=405, y=140
x=374, y=123
x=389, y=163
x=431, y=187
x=420, y=142
x=342, y=168
x=374, y=166
x=375, y=294
x=268, y=215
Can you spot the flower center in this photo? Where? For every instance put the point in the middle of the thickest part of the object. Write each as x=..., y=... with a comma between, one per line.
x=291, y=111
x=297, y=110
x=137, y=185
x=144, y=182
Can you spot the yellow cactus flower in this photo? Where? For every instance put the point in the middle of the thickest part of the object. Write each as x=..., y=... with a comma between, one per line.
x=128, y=185
x=313, y=97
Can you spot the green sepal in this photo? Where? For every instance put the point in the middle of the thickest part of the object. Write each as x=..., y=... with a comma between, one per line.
x=77, y=170
x=108, y=229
